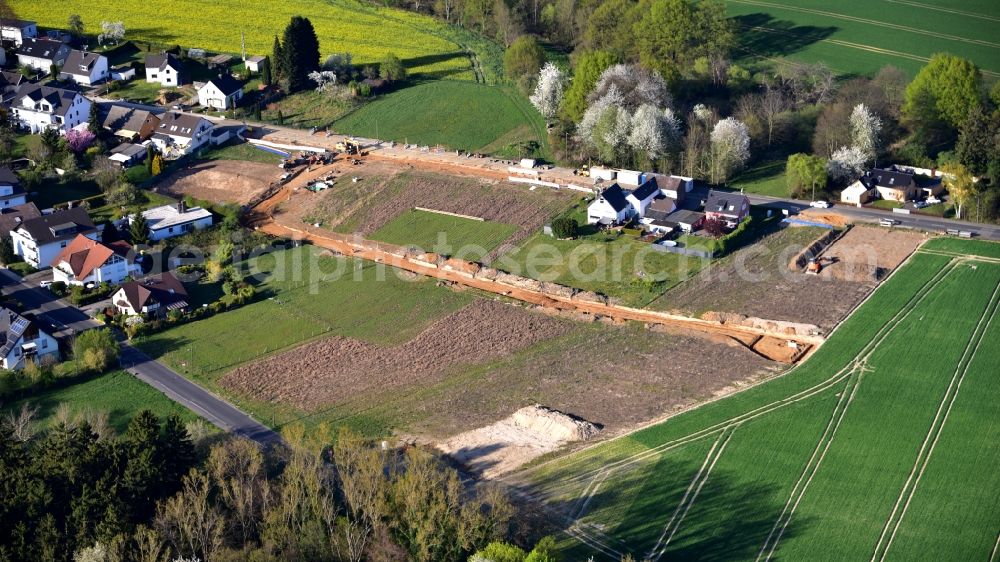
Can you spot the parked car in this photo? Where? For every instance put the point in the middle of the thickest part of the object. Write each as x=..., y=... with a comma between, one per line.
x=887, y=222
x=820, y=205
x=45, y=284
x=920, y=204
x=933, y=200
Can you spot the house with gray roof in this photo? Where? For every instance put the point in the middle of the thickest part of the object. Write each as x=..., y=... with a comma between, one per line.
x=174, y=220
x=729, y=207
x=84, y=67
x=37, y=107
x=165, y=69
x=17, y=31
x=153, y=296
x=41, y=54
x=222, y=92
x=129, y=123
x=610, y=207
x=11, y=193
x=40, y=240
x=181, y=133
x=12, y=217
x=24, y=339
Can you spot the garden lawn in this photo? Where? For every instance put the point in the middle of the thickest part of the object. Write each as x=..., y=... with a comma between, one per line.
x=241, y=151
x=307, y=109
x=776, y=426
x=766, y=178
x=369, y=33
x=118, y=393
x=983, y=248
x=458, y=115
x=887, y=204
x=424, y=230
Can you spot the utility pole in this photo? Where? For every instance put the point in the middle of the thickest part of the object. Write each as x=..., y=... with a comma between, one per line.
x=243, y=44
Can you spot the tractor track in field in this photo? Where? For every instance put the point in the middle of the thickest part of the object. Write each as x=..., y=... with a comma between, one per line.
x=888, y=327
x=937, y=426
x=856, y=366
x=945, y=10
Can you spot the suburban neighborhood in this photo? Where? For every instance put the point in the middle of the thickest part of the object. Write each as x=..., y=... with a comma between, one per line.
x=506, y=282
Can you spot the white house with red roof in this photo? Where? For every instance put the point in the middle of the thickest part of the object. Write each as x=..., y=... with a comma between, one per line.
x=89, y=261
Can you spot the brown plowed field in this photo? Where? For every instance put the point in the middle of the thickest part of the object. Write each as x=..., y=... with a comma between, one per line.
x=334, y=369
x=227, y=181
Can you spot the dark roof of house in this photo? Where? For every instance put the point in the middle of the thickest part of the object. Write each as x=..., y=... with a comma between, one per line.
x=660, y=208
x=129, y=149
x=725, y=203
x=226, y=84
x=59, y=225
x=11, y=217
x=9, y=78
x=256, y=58
x=80, y=63
x=684, y=216
x=58, y=98
x=615, y=197
x=40, y=48
x=120, y=117
x=645, y=190
x=892, y=178
x=161, y=61
x=12, y=327
x=668, y=183
x=8, y=177
x=20, y=24
x=179, y=124
x=164, y=289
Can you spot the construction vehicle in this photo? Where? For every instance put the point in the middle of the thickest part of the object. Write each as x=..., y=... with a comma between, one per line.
x=814, y=267
x=349, y=147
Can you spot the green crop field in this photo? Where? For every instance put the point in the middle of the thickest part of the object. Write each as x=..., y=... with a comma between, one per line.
x=118, y=393
x=859, y=36
x=881, y=446
x=367, y=32
x=423, y=229
x=455, y=114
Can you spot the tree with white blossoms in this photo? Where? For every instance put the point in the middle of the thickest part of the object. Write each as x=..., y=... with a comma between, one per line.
x=702, y=112
x=635, y=86
x=847, y=163
x=654, y=131
x=612, y=100
x=325, y=79
x=548, y=91
x=730, y=148
x=865, y=129
x=111, y=31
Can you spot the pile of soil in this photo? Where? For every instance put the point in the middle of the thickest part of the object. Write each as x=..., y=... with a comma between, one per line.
x=335, y=369
x=226, y=181
x=509, y=443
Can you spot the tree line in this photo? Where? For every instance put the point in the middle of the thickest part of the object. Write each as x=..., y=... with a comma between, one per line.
x=152, y=494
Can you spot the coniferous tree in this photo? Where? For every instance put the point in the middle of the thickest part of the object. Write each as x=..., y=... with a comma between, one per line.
x=139, y=230
x=300, y=51
x=278, y=56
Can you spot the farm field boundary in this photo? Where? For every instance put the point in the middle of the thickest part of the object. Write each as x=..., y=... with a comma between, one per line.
x=587, y=486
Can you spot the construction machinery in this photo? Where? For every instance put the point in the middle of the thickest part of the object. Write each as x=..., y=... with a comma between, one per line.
x=815, y=266
x=349, y=147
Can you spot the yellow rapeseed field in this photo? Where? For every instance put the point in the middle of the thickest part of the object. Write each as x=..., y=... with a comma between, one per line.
x=368, y=33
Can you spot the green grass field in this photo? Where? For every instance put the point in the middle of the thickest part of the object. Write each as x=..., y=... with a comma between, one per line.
x=859, y=37
x=118, y=393
x=367, y=32
x=877, y=447
x=302, y=296
x=454, y=114
x=423, y=230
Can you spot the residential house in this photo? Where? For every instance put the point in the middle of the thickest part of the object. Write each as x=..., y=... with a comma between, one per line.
x=255, y=63
x=153, y=296
x=11, y=193
x=86, y=261
x=631, y=178
x=12, y=217
x=687, y=221
x=10, y=82
x=127, y=154
x=37, y=107
x=895, y=183
x=123, y=72
x=730, y=208
x=40, y=240
x=222, y=92
x=133, y=125
x=24, y=339
x=84, y=67
x=165, y=69
x=174, y=220
x=672, y=186
x=181, y=133
x=610, y=207
x=16, y=31
x=642, y=196
x=657, y=213
x=41, y=54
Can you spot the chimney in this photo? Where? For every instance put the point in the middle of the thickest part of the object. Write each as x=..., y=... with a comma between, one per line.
x=181, y=207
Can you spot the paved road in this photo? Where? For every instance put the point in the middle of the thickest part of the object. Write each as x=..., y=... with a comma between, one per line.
x=70, y=320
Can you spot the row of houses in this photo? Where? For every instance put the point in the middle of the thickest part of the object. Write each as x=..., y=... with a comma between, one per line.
x=895, y=183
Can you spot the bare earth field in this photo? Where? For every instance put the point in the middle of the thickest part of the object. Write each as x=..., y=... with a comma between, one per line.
x=757, y=280
x=385, y=190
x=227, y=181
x=480, y=364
